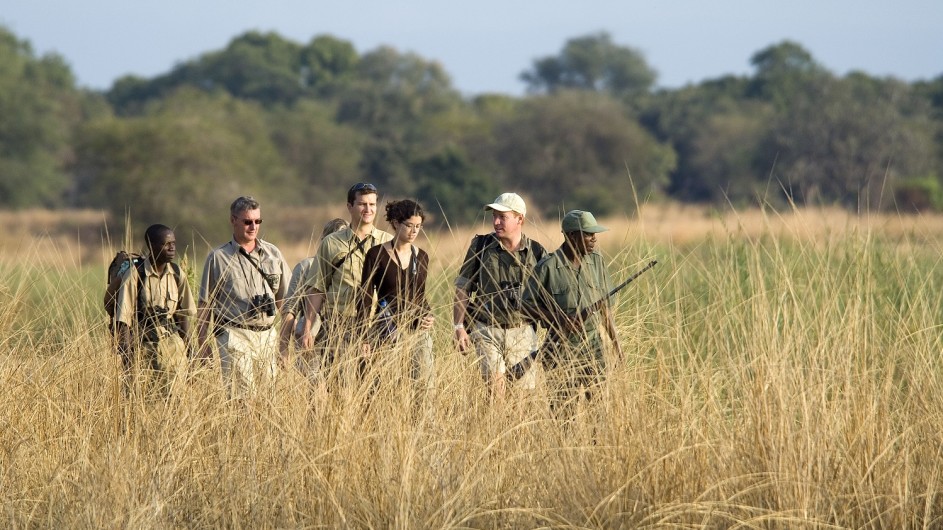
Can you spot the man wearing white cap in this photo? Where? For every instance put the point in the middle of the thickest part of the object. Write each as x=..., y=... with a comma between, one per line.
x=487, y=309
x=567, y=281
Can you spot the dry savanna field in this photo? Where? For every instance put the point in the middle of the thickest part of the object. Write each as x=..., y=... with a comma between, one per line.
x=782, y=371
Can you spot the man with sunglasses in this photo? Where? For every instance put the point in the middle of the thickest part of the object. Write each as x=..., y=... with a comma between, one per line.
x=331, y=290
x=244, y=283
x=565, y=282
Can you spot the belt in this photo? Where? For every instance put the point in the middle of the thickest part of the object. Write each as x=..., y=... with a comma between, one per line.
x=250, y=327
x=500, y=324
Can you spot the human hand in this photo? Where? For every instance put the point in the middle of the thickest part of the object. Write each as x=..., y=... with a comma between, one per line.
x=462, y=341
x=426, y=322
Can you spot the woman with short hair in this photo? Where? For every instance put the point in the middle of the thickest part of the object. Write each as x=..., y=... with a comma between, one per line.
x=395, y=272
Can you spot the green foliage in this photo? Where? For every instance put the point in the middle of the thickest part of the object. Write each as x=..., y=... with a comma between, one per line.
x=843, y=139
x=181, y=164
x=294, y=122
x=448, y=181
x=918, y=194
x=262, y=67
x=39, y=107
x=595, y=63
x=783, y=72
x=321, y=153
x=581, y=150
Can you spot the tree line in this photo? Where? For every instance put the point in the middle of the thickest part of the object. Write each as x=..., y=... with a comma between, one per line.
x=297, y=123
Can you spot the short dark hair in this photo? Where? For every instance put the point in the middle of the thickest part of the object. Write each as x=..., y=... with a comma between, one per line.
x=155, y=234
x=399, y=211
x=243, y=204
x=360, y=188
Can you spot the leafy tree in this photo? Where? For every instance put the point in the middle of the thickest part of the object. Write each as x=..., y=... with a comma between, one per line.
x=592, y=62
x=783, y=72
x=576, y=149
x=847, y=140
x=323, y=154
x=263, y=67
x=182, y=163
x=701, y=122
x=448, y=180
x=392, y=97
x=39, y=107
x=328, y=64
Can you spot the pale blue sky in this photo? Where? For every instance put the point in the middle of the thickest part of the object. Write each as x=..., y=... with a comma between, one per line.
x=484, y=45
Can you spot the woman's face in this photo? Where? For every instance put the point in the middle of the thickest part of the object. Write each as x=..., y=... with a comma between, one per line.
x=408, y=230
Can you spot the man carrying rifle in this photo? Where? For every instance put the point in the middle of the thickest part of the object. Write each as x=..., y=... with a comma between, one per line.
x=565, y=283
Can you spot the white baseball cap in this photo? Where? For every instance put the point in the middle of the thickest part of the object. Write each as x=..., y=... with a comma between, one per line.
x=508, y=202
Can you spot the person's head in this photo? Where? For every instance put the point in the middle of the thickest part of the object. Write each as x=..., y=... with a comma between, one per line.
x=245, y=216
x=362, y=204
x=406, y=217
x=161, y=243
x=507, y=211
x=579, y=231
x=334, y=225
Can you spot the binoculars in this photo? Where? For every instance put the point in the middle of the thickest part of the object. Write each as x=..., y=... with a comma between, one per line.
x=263, y=303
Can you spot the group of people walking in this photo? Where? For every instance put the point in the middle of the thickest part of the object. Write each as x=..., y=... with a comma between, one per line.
x=364, y=291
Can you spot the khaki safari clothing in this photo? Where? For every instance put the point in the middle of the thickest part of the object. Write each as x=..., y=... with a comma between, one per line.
x=294, y=299
x=500, y=348
x=164, y=295
x=232, y=279
x=557, y=281
x=338, y=270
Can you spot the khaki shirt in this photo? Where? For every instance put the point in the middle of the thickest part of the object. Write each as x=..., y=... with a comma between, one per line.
x=294, y=300
x=496, y=279
x=338, y=269
x=557, y=281
x=230, y=282
x=164, y=294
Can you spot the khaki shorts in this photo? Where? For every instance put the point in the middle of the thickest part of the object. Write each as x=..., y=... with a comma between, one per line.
x=499, y=348
x=249, y=359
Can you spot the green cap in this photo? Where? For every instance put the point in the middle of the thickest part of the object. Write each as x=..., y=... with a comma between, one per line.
x=580, y=221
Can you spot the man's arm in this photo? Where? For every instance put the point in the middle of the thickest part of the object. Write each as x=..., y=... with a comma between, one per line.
x=459, y=309
x=313, y=301
x=284, y=334
x=204, y=318
x=610, y=323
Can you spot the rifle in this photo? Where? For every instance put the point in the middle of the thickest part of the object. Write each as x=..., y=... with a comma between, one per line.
x=518, y=370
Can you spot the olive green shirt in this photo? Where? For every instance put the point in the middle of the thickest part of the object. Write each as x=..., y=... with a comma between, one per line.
x=557, y=281
x=165, y=295
x=338, y=269
x=494, y=280
x=230, y=282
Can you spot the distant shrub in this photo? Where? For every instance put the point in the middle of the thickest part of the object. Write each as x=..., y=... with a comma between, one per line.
x=919, y=194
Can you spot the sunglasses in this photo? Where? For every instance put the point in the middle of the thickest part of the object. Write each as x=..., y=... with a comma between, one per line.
x=362, y=186
x=250, y=222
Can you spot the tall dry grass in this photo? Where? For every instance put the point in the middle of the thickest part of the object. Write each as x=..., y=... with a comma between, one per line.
x=782, y=372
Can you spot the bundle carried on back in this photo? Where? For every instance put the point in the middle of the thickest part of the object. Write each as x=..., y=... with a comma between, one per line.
x=122, y=261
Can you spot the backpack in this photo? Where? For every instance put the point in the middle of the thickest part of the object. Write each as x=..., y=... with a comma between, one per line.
x=123, y=261
x=480, y=242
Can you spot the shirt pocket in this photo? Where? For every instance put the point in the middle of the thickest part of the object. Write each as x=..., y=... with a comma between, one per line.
x=272, y=273
x=173, y=302
x=564, y=297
